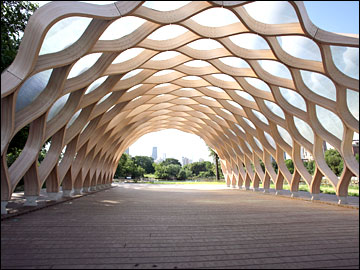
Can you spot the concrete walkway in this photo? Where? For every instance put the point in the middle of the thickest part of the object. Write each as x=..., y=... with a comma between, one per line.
x=148, y=226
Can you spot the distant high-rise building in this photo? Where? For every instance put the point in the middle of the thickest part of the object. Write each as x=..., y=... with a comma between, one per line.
x=186, y=161
x=154, y=153
x=127, y=151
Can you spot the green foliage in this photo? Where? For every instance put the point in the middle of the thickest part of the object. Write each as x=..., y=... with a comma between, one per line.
x=128, y=168
x=262, y=165
x=146, y=163
x=310, y=166
x=197, y=167
x=334, y=161
x=275, y=166
x=290, y=165
x=169, y=161
x=170, y=171
x=217, y=167
x=357, y=157
x=14, y=17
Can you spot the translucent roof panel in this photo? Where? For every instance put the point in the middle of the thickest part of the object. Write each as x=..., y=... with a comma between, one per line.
x=285, y=135
x=275, y=108
x=270, y=139
x=83, y=64
x=293, y=98
x=234, y=62
x=250, y=41
x=272, y=12
x=260, y=116
x=205, y=44
x=165, y=5
x=131, y=74
x=197, y=63
x=167, y=32
x=275, y=68
x=165, y=55
x=63, y=34
x=259, y=84
x=95, y=84
x=235, y=104
x=31, y=88
x=57, y=106
x=245, y=95
x=224, y=77
x=216, y=89
x=223, y=17
x=346, y=59
x=249, y=123
x=352, y=98
x=258, y=143
x=240, y=128
x=319, y=84
x=304, y=129
x=300, y=47
x=330, y=121
x=122, y=27
x=127, y=55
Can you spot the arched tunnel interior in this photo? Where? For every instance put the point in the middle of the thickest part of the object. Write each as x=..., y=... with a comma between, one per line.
x=92, y=79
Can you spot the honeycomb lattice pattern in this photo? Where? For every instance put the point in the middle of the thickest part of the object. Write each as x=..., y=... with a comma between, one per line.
x=230, y=96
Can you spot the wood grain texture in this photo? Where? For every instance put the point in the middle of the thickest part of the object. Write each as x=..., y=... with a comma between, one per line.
x=148, y=102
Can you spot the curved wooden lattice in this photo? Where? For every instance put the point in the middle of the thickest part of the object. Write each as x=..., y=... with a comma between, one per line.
x=243, y=112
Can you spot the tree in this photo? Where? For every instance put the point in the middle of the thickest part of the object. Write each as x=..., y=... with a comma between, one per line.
x=290, y=165
x=14, y=17
x=334, y=161
x=146, y=163
x=128, y=168
x=169, y=161
x=216, y=160
x=310, y=166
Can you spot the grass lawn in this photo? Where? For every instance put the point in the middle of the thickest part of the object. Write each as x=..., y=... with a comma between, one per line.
x=353, y=190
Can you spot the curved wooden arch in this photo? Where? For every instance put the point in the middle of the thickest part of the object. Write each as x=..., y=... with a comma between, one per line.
x=148, y=102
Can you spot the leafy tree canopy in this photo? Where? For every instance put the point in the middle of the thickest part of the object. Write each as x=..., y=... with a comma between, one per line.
x=169, y=161
x=14, y=17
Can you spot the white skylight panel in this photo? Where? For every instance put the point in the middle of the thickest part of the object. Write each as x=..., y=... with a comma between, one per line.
x=352, y=98
x=275, y=68
x=73, y=118
x=165, y=5
x=165, y=55
x=272, y=12
x=285, y=135
x=83, y=64
x=249, y=123
x=248, y=146
x=319, y=84
x=346, y=59
x=250, y=41
x=197, y=63
x=259, y=84
x=95, y=84
x=122, y=27
x=224, y=77
x=131, y=74
x=330, y=121
x=245, y=95
x=234, y=62
x=205, y=44
x=31, y=88
x=260, y=116
x=270, y=139
x=258, y=143
x=275, y=108
x=104, y=98
x=63, y=34
x=167, y=32
x=191, y=78
x=127, y=55
x=235, y=104
x=304, y=129
x=223, y=17
x=240, y=128
x=300, y=47
x=57, y=106
x=134, y=87
x=216, y=89
x=163, y=72
x=293, y=98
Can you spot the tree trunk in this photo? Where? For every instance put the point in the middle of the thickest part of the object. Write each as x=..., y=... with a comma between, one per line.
x=217, y=166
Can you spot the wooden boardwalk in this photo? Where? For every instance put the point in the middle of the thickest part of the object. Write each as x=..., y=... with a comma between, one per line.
x=137, y=226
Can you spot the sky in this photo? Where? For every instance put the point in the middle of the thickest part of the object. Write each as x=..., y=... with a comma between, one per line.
x=333, y=16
